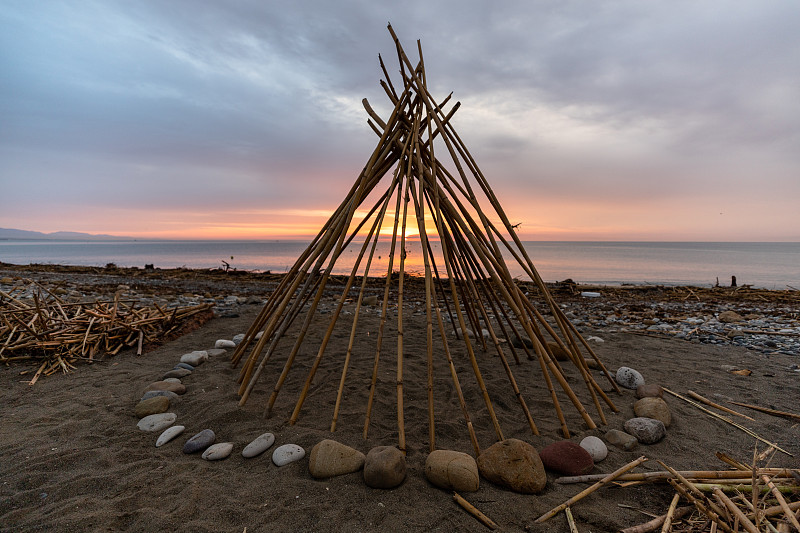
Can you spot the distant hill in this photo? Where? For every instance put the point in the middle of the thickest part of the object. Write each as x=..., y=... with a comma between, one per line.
x=20, y=234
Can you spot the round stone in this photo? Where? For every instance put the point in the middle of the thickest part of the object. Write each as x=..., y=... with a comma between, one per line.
x=620, y=439
x=288, y=453
x=199, y=441
x=157, y=422
x=646, y=430
x=629, y=378
x=217, y=452
x=176, y=373
x=567, y=458
x=259, y=445
x=177, y=388
x=152, y=406
x=195, y=358
x=655, y=408
x=596, y=448
x=558, y=352
x=384, y=467
x=649, y=390
x=452, y=470
x=224, y=343
x=165, y=393
x=513, y=464
x=169, y=434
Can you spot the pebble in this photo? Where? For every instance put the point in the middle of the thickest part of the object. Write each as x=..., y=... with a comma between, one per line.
x=288, y=453
x=177, y=388
x=217, y=452
x=596, y=448
x=216, y=352
x=176, y=373
x=513, y=464
x=729, y=317
x=329, y=458
x=452, y=470
x=224, y=343
x=169, y=434
x=384, y=467
x=172, y=380
x=157, y=422
x=370, y=300
x=151, y=406
x=620, y=439
x=649, y=390
x=646, y=430
x=200, y=441
x=629, y=378
x=186, y=366
x=567, y=458
x=655, y=408
x=195, y=358
x=155, y=393
x=259, y=445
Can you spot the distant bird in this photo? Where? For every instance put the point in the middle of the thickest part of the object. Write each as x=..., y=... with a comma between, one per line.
x=515, y=226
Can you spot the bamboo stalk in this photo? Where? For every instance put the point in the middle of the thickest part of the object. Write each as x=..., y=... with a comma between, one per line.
x=673, y=505
x=743, y=520
x=774, y=412
x=781, y=501
x=706, y=401
x=471, y=509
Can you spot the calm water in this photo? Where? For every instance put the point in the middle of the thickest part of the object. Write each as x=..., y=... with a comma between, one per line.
x=769, y=265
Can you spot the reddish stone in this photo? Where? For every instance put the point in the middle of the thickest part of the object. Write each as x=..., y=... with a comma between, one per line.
x=567, y=458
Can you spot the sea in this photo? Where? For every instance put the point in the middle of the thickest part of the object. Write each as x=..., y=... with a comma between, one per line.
x=770, y=265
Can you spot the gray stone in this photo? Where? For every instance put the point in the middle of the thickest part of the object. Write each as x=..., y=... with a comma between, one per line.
x=176, y=373
x=329, y=458
x=216, y=352
x=157, y=422
x=259, y=445
x=646, y=430
x=187, y=366
x=384, y=467
x=288, y=453
x=452, y=470
x=513, y=464
x=169, y=434
x=238, y=338
x=629, y=378
x=177, y=388
x=200, y=441
x=171, y=380
x=596, y=448
x=217, y=452
x=155, y=393
x=655, y=408
x=224, y=343
x=195, y=358
x=620, y=439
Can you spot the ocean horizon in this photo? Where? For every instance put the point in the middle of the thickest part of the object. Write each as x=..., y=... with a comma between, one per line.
x=771, y=265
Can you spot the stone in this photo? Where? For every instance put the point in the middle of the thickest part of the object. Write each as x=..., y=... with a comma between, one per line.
x=237, y=339
x=217, y=452
x=216, y=352
x=558, y=352
x=172, y=380
x=259, y=445
x=195, y=358
x=649, y=390
x=730, y=317
x=646, y=430
x=177, y=388
x=165, y=393
x=329, y=458
x=199, y=441
x=224, y=343
x=655, y=408
x=151, y=406
x=384, y=467
x=187, y=366
x=452, y=470
x=288, y=453
x=370, y=300
x=513, y=464
x=176, y=373
x=567, y=458
x=520, y=342
x=620, y=439
x=169, y=434
x=628, y=378
x=157, y=422
x=596, y=448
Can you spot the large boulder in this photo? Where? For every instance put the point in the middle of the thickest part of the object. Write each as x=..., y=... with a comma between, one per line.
x=452, y=470
x=513, y=464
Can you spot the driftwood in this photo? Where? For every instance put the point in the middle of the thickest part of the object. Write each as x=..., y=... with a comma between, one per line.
x=56, y=334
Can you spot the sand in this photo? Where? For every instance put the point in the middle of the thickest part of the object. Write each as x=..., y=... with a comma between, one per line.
x=74, y=460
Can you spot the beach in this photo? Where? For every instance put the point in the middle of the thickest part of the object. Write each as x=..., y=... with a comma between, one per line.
x=74, y=459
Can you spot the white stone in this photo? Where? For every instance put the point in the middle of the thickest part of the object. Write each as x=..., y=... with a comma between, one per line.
x=224, y=343
x=587, y=294
x=595, y=339
x=218, y=451
x=596, y=448
x=157, y=422
x=169, y=434
x=259, y=445
x=195, y=358
x=288, y=453
x=629, y=378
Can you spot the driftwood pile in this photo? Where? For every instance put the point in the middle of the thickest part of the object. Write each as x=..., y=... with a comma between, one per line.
x=55, y=334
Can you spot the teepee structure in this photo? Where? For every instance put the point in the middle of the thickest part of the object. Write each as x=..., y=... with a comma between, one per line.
x=407, y=184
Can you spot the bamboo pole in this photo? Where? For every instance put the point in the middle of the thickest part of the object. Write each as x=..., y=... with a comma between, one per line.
x=471, y=509
x=692, y=394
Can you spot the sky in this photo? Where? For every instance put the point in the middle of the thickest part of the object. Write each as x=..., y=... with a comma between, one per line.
x=610, y=120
